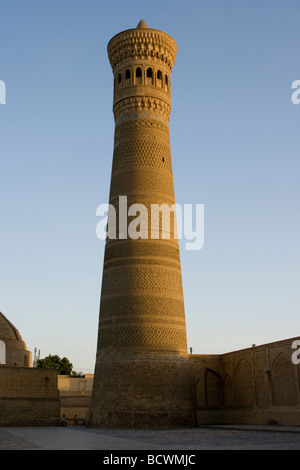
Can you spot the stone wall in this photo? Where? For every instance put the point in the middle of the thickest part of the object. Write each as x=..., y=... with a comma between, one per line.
x=258, y=385
x=28, y=397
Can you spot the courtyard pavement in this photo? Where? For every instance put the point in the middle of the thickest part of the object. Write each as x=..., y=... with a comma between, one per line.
x=183, y=440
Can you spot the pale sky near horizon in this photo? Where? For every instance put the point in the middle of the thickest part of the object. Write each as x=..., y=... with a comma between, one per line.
x=235, y=148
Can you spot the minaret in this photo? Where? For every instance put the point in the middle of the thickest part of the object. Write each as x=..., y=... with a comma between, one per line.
x=141, y=373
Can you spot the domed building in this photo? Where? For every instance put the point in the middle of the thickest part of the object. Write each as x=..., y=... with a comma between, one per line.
x=13, y=350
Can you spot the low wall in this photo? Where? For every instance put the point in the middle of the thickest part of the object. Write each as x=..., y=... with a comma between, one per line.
x=28, y=397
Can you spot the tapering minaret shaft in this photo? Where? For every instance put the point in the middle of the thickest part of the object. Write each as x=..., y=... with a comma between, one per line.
x=141, y=374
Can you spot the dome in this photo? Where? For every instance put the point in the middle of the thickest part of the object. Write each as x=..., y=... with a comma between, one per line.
x=13, y=349
x=8, y=330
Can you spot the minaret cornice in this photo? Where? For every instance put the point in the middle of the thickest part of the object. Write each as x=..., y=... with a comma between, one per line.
x=140, y=44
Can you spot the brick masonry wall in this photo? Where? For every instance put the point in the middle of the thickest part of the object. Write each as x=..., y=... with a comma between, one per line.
x=28, y=397
x=258, y=385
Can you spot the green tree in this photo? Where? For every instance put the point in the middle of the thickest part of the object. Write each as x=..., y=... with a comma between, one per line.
x=63, y=366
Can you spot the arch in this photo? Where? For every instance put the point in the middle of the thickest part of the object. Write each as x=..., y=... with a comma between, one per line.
x=200, y=400
x=261, y=389
x=149, y=76
x=138, y=75
x=228, y=392
x=166, y=82
x=159, y=78
x=213, y=389
x=2, y=352
x=127, y=74
x=244, y=384
x=283, y=382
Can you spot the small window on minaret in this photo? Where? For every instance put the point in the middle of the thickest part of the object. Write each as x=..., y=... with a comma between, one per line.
x=119, y=78
x=149, y=76
x=127, y=74
x=138, y=75
x=166, y=83
x=159, y=78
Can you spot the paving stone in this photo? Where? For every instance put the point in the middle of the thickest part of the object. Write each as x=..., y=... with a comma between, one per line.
x=203, y=438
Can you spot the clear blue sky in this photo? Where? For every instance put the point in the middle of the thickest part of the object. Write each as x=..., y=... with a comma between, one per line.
x=235, y=148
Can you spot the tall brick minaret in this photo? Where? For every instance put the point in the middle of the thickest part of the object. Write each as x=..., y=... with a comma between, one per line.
x=141, y=373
